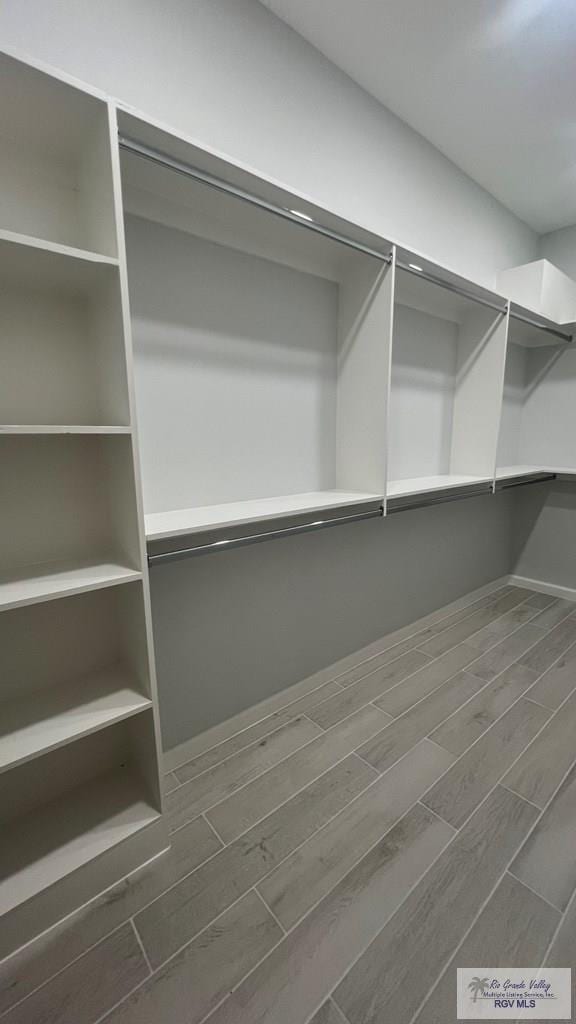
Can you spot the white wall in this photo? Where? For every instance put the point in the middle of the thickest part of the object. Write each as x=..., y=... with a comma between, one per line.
x=560, y=248
x=236, y=77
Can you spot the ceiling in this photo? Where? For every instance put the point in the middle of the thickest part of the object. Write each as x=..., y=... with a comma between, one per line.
x=491, y=83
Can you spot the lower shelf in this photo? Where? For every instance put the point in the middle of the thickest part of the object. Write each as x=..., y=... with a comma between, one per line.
x=163, y=525
x=46, y=720
x=44, y=846
x=42, y=583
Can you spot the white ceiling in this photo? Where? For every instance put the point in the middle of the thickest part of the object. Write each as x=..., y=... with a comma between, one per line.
x=491, y=83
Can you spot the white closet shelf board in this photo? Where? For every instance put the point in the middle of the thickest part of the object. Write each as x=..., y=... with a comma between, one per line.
x=44, y=846
x=42, y=428
x=509, y=472
x=425, y=484
x=49, y=719
x=536, y=334
x=163, y=525
x=53, y=580
x=50, y=266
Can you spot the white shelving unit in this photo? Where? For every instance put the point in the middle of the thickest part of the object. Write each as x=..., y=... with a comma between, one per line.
x=79, y=776
x=260, y=355
x=448, y=351
x=538, y=417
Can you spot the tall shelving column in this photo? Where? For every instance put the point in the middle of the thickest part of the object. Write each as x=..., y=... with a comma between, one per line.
x=80, y=795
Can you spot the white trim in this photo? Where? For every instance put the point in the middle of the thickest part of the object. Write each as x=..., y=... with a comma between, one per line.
x=543, y=587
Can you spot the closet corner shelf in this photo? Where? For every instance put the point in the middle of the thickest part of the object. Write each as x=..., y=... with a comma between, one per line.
x=528, y=474
x=42, y=847
x=61, y=580
x=45, y=720
x=179, y=523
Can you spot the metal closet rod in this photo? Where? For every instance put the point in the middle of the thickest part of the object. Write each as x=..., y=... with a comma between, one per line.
x=450, y=287
x=541, y=327
x=254, y=538
x=188, y=170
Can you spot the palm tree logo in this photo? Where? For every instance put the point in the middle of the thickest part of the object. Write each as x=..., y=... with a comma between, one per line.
x=478, y=986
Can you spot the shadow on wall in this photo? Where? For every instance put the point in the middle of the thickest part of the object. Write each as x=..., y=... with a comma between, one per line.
x=234, y=627
x=544, y=533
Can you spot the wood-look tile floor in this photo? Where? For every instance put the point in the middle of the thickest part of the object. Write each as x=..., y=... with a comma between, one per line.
x=334, y=861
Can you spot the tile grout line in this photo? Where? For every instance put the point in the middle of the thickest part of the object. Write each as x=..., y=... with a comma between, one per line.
x=142, y=950
x=510, y=790
x=267, y=907
x=214, y=830
x=436, y=815
x=534, y=893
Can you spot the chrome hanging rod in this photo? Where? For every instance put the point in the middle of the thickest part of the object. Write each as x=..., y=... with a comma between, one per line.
x=188, y=170
x=541, y=327
x=449, y=287
x=254, y=538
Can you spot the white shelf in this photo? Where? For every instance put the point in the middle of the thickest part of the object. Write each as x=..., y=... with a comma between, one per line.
x=163, y=525
x=43, y=846
x=43, y=428
x=45, y=720
x=509, y=472
x=423, y=484
x=61, y=580
x=25, y=259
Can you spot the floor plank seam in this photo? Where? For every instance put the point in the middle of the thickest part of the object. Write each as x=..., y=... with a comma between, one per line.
x=214, y=830
x=515, y=792
x=521, y=881
x=268, y=908
x=141, y=946
x=555, y=934
x=438, y=816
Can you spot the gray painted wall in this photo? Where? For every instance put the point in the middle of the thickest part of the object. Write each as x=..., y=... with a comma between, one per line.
x=544, y=533
x=234, y=627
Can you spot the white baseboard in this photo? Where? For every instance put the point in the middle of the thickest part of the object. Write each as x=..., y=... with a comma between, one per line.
x=569, y=593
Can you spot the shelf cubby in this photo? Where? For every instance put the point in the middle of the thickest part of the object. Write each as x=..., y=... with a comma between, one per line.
x=447, y=365
x=538, y=417
x=68, y=508
x=259, y=350
x=61, y=811
x=52, y=691
x=61, y=340
x=55, y=161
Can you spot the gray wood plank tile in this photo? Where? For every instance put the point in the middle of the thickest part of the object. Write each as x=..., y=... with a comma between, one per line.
x=329, y=1014
x=498, y=630
x=540, y=770
x=195, y=980
x=563, y=950
x=499, y=658
x=513, y=930
x=549, y=649
x=404, y=732
x=459, y=792
x=546, y=862
x=78, y=994
x=51, y=952
x=244, y=808
x=188, y=907
x=169, y=782
x=558, y=682
x=541, y=601
x=395, y=973
x=367, y=689
x=427, y=679
x=294, y=979
x=315, y=868
x=480, y=619
x=467, y=724
x=555, y=613
x=201, y=792
x=378, y=662
x=234, y=745
x=440, y=622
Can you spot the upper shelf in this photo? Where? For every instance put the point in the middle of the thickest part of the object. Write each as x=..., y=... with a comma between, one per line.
x=434, y=289
x=532, y=330
x=44, y=583
x=50, y=266
x=163, y=525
